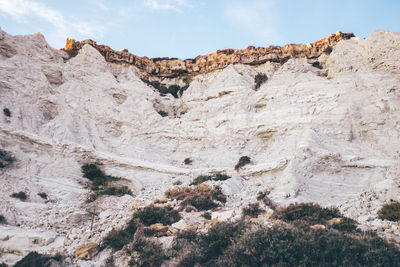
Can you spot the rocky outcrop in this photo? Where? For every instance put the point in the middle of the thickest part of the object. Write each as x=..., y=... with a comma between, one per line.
x=173, y=67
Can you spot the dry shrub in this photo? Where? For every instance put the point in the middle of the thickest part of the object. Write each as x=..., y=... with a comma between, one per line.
x=202, y=197
x=390, y=212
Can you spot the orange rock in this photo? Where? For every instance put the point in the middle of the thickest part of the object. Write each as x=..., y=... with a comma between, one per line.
x=170, y=68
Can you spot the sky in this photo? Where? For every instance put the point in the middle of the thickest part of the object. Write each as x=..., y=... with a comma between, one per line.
x=187, y=28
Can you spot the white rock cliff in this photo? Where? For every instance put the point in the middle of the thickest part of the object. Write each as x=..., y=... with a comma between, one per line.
x=330, y=136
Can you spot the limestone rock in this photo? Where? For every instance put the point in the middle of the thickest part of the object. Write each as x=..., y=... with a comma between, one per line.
x=86, y=251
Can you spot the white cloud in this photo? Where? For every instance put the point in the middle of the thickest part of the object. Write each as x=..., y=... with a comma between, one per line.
x=259, y=18
x=25, y=10
x=173, y=5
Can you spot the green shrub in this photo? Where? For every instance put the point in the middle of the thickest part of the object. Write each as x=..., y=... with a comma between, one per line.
x=148, y=254
x=309, y=212
x=110, y=191
x=117, y=239
x=206, y=215
x=164, y=89
x=346, y=225
x=201, y=179
x=217, y=194
x=203, y=249
x=20, y=195
x=390, y=212
x=42, y=195
x=253, y=210
x=221, y=177
x=259, y=79
x=248, y=244
x=162, y=113
x=94, y=174
x=215, y=177
x=7, y=112
x=152, y=214
x=34, y=259
x=188, y=161
x=200, y=202
x=6, y=158
x=3, y=219
x=244, y=160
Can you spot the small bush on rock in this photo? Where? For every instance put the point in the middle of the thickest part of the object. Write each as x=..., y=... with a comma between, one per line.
x=7, y=112
x=188, y=161
x=147, y=254
x=309, y=212
x=345, y=225
x=202, y=197
x=110, y=191
x=162, y=113
x=152, y=214
x=259, y=79
x=100, y=183
x=20, y=195
x=34, y=259
x=6, y=158
x=390, y=212
x=215, y=177
x=253, y=210
x=42, y=195
x=244, y=160
x=117, y=239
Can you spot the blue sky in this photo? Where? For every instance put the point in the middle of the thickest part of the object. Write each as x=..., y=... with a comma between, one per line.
x=187, y=28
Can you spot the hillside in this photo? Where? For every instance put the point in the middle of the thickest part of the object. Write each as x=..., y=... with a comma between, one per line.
x=322, y=128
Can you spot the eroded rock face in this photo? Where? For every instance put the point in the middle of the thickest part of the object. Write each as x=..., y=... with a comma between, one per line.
x=172, y=67
x=330, y=140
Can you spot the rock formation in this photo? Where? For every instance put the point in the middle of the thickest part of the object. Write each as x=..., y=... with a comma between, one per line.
x=171, y=68
x=328, y=134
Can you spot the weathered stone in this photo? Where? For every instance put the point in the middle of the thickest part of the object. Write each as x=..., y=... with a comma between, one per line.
x=167, y=67
x=86, y=251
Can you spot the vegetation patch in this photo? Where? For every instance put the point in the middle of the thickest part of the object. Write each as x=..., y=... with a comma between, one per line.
x=162, y=113
x=146, y=253
x=117, y=239
x=259, y=79
x=317, y=65
x=309, y=212
x=263, y=196
x=6, y=159
x=175, y=90
x=252, y=210
x=188, y=161
x=100, y=182
x=206, y=215
x=390, y=212
x=215, y=177
x=3, y=219
x=110, y=191
x=7, y=112
x=246, y=244
x=42, y=195
x=34, y=259
x=20, y=195
x=345, y=225
x=244, y=160
x=152, y=214
x=201, y=197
